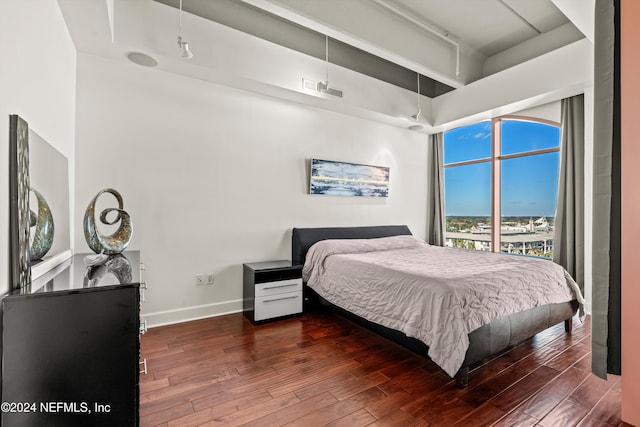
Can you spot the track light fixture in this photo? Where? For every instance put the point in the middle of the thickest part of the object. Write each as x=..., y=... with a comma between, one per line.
x=322, y=87
x=184, y=46
x=416, y=116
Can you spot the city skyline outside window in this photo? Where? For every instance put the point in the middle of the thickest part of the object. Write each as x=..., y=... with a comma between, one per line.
x=524, y=194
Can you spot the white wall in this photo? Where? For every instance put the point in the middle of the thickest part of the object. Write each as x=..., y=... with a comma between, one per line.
x=214, y=177
x=550, y=111
x=37, y=82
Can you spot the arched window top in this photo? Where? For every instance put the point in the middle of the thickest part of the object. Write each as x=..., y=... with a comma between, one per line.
x=505, y=135
x=519, y=135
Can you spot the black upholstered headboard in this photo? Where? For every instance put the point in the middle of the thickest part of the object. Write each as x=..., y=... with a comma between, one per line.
x=303, y=238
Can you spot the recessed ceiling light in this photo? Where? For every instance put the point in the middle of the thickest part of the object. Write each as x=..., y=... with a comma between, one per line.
x=142, y=59
x=415, y=127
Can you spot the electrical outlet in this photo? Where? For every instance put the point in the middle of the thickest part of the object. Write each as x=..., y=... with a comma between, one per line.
x=200, y=279
x=209, y=278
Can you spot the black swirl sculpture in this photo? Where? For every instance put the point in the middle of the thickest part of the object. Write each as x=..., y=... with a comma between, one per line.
x=120, y=239
x=43, y=232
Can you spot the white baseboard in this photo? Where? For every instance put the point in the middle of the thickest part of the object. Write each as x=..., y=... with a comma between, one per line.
x=170, y=317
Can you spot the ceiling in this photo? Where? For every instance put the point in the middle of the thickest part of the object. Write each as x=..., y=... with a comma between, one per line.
x=400, y=35
x=488, y=26
x=449, y=44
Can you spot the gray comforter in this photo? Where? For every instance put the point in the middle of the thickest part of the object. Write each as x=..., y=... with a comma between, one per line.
x=435, y=294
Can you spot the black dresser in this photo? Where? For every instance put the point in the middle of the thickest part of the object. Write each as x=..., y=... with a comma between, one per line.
x=71, y=346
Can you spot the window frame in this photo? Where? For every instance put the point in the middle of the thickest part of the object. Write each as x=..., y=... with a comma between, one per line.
x=495, y=160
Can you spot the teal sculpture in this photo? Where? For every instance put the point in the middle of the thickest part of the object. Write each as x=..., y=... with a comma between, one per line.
x=120, y=239
x=44, y=229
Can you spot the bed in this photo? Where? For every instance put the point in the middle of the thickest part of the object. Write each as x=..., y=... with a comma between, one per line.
x=365, y=273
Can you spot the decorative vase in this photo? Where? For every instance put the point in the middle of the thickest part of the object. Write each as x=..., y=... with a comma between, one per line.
x=43, y=233
x=120, y=239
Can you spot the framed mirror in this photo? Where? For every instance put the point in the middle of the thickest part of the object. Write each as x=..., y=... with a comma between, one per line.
x=19, y=202
x=39, y=204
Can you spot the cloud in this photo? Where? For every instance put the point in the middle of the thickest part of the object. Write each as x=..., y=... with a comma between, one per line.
x=481, y=135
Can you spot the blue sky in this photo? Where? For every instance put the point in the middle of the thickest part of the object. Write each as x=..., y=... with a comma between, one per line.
x=529, y=184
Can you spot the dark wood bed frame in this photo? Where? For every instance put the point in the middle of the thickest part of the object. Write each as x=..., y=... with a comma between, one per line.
x=484, y=342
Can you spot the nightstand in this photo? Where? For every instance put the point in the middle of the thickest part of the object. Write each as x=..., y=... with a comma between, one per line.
x=271, y=290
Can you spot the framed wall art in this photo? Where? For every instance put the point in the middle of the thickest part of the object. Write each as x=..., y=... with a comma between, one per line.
x=348, y=179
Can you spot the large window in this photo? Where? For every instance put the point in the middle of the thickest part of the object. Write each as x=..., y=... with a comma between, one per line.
x=501, y=185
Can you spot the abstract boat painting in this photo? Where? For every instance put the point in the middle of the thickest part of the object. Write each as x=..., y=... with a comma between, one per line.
x=348, y=179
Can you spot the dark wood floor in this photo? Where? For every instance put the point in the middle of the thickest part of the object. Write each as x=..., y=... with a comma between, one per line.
x=320, y=369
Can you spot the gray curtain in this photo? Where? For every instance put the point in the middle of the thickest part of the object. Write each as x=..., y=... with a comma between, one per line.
x=435, y=191
x=568, y=244
x=606, y=315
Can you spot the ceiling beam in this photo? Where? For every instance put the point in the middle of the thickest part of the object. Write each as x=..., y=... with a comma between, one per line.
x=581, y=13
x=334, y=30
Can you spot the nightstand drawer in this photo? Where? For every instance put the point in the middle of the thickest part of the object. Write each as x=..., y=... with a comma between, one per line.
x=278, y=305
x=279, y=287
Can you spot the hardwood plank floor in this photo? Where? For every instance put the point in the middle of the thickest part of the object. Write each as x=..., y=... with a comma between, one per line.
x=321, y=369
